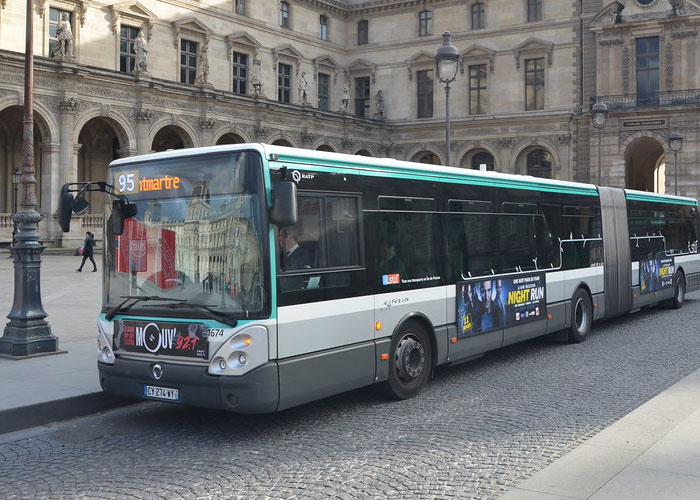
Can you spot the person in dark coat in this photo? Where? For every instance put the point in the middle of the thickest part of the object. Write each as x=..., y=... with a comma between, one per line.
x=88, y=252
x=293, y=256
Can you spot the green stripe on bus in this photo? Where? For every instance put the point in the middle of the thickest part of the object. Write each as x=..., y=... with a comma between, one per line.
x=404, y=173
x=659, y=199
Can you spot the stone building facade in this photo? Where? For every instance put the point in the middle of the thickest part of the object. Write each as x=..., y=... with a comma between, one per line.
x=353, y=76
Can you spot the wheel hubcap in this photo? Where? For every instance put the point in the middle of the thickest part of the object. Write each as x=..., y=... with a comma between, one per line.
x=581, y=316
x=410, y=358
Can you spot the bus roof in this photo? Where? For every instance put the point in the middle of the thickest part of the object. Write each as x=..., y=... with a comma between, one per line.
x=403, y=168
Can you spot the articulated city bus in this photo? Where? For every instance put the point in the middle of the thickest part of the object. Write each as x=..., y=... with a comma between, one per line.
x=254, y=278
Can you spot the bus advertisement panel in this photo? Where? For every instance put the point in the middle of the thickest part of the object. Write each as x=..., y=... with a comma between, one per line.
x=656, y=274
x=489, y=304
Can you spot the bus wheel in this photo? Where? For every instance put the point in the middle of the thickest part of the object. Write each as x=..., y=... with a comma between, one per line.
x=581, y=316
x=679, y=292
x=410, y=363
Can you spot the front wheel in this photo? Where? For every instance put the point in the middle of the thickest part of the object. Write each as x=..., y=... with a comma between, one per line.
x=679, y=292
x=410, y=362
x=581, y=316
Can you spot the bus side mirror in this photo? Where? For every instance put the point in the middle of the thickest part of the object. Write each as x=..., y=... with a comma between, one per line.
x=121, y=210
x=284, y=204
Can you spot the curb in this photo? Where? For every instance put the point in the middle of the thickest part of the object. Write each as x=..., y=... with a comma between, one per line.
x=15, y=419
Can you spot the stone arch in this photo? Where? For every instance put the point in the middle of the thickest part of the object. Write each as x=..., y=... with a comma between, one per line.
x=419, y=153
x=466, y=154
x=101, y=141
x=12, y=155
x=182, y=129
x=122, y=128
x=645, y=163
x=363, y=152
x=230, y=138
x=43, y=118
x=282, y=140
x=324, y=145
x=518, y=167
x=226, y=130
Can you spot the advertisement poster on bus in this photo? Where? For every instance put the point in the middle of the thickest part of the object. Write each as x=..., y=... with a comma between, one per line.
x=484, y=305
x=656, y=274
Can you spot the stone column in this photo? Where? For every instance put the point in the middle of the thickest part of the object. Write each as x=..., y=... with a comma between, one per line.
x=67, y=167
x=50, y=187
x=143, y=117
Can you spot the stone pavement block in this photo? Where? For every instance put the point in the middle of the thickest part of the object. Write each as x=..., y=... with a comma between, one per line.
x=671, y=404
x=581, y=472
x=691, y=383
x=518, y=494
x=637, y=431
x=688, y=430
x=676, y=456
x=16, y=395
x=641, y=483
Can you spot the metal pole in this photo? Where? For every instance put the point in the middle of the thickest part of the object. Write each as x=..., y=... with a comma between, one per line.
x=675, y=180
x=28, y=332
x=14, y=211
x=447, y=124
x=600, y=153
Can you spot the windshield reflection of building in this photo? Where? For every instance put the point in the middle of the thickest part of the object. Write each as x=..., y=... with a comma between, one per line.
x=216, y=247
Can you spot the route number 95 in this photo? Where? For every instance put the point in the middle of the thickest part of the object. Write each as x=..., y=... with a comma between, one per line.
x=127, y=182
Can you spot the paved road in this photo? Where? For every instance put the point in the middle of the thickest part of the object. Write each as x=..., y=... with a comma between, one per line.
x=481, y=428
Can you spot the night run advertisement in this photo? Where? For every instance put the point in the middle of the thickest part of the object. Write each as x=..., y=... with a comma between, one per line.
x=489, y=304
x=656, y=274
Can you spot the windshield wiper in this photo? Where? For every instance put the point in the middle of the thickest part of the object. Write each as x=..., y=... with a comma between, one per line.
x=213, y=313
x=136, y=299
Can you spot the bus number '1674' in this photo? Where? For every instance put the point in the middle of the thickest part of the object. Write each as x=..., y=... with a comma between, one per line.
x=216, y=332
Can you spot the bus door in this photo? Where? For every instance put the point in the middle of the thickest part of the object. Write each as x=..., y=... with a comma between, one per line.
x=325, y=327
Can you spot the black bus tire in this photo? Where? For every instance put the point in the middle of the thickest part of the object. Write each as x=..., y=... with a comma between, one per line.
x=410, y=361
x=678, y=291
x=581, y=316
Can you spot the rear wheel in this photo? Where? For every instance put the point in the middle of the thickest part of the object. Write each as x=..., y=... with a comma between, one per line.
x=410, y=362
x=679, y=292
x=581, y=316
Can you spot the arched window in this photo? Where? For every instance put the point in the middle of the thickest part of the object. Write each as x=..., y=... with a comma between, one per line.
x=362, y=152
x=430, y=158
x=282, y=142
x=323, y=27
x=539, y=164
x=482, y=158
x=478, y=16
x=284, y=14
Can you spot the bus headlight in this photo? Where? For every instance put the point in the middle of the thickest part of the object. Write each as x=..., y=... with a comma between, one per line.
x=104, y=347
x=243, y=352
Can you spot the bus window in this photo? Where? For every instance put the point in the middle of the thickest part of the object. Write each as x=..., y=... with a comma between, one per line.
x=407, y=250
x=472, y=242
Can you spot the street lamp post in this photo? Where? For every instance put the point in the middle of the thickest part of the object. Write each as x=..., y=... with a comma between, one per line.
x=675, y=140
x=15, y=185
x=446, y=63
x=599, y=114
x=28, y=333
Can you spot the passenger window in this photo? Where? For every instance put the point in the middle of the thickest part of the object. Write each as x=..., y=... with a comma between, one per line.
x=407, y=250
x=323, y=243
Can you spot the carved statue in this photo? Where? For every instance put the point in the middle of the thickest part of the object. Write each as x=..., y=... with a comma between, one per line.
x=380, y=104
x=614, y=13
x=64, y=38
x=302, y=89
x=202, y=74
x=345, y=100
x=141, y=51
x=257, y=77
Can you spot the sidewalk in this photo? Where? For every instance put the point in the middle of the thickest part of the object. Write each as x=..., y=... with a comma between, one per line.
x=651, y=453
x=49, y=388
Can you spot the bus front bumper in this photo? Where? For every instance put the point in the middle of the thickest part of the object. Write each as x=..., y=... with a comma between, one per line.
x=255, y=392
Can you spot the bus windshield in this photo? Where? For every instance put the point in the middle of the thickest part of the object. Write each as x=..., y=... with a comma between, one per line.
x=197, y=239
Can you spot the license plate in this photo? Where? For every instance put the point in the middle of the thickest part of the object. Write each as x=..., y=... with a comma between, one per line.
x=161, y=393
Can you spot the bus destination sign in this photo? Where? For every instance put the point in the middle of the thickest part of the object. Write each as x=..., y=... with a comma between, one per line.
x=133, y=182
x=171, y=339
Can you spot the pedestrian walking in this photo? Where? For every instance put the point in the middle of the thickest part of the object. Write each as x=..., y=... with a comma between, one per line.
x=88, y=251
